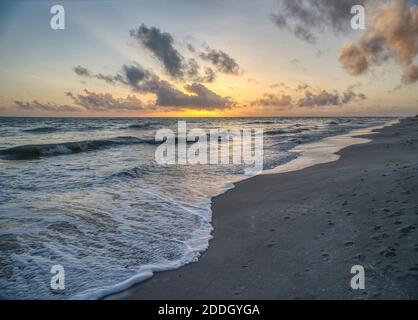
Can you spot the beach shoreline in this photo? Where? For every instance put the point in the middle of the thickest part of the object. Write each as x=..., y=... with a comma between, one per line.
x=264, y=227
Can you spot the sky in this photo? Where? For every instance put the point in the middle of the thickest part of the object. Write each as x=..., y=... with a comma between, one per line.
x=180, y=58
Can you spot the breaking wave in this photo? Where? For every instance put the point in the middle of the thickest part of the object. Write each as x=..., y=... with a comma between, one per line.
x=36, y=151
x=41, y=130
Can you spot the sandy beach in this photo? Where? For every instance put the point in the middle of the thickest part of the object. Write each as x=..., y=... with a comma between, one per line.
x=296, y=235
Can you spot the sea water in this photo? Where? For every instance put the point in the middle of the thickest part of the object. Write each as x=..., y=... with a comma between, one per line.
x=88, y=194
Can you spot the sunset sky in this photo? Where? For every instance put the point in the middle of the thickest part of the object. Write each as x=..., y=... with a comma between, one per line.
x=208, y=58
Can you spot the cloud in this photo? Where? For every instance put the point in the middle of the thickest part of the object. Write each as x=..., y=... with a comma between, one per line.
x=200, y=97
x=322, y=98
x=142, y=80
x=191, y=47
x=274, y=100
x=301, y=87
x=391, y=33
x=410, y=74
x=306, y=17
x=167, y=95
x=221, y=60
x=92, y=101
x=81, y=71
x=161, y=45
x=35, y=105
x=309, y=99
x=277, y=85
x=325, y=98
x=84, y=72
x=132, y=75
x=358, y=84
x=193, y=72
x=353, y=59
x=88, y=101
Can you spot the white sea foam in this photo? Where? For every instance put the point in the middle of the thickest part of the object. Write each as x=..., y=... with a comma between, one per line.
x=325, y=150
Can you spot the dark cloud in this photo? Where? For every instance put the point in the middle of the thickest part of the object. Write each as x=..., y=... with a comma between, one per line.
x=132, y=75
x=200, y=97
x=84, y=72
x=310, y=99
x=306, y=17
x=209, y=76
x=161, y=45
x=88, y=101
x=274, y=100
x=81, y=71
x=144, y=81
x=221, y=60
x=92, y=101
x=325, y=98
x=193, y=72
x=35, y=105
x=167, y=95
x=107, y=78
x=391, y=33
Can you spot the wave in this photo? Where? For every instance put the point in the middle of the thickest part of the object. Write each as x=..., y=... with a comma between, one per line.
x=143, y=125
x=261, y=122
x=36, y=151
x=281, y=131
x=275, y=132
x=139, y=171
x=41, y=130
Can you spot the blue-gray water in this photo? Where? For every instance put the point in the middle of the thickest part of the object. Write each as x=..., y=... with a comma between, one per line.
x=87, y=194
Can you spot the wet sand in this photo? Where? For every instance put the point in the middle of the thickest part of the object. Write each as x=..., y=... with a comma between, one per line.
x=296, y=235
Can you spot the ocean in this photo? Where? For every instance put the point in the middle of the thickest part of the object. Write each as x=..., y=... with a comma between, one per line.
x=88, y=194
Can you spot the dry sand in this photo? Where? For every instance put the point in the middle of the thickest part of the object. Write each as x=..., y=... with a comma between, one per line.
x=297, y=234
